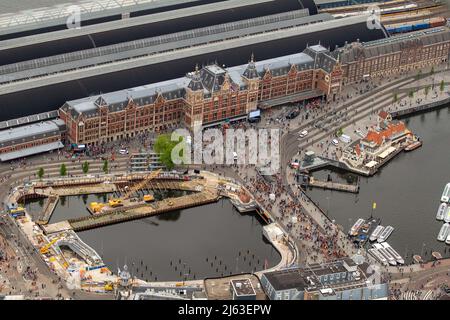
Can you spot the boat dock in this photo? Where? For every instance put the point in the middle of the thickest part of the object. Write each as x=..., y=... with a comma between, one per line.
x=330, y=185
x=363, y=229
x=419, y=109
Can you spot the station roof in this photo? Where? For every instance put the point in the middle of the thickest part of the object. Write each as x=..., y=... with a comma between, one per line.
x=138, y=48
x=28, y=119
x=91, y=9
x=143, y=24
x=321, y=2
x=77, y=84
x=30, y=132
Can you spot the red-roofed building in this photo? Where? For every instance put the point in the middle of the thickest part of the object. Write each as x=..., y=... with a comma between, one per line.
x=377, y=141
x=384, y=118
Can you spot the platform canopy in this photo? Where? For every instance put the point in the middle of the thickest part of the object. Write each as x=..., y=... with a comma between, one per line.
x=31, y=151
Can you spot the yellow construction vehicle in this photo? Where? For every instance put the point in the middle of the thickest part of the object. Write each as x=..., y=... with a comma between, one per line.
x=149, y=198
x=114, y=203
x=109, y=287
x=45, y=249
x=96, y=207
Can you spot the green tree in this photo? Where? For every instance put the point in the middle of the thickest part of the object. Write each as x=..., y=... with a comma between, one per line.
x=395, y=98
x=442, y=86
x=63, y=170
x=40, y=173
x=411, y=96
x=85, y=167
x=340, y=132
x=427, y=90
x=432, y=71
x=164, y=146
x=419, y=75
x=105, y=166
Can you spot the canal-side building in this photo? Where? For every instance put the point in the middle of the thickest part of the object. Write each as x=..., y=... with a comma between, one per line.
x=204, y=97
x=22, y=141
x=379, y=143
x=337, y=280
x=416, y=50
x=214, y=94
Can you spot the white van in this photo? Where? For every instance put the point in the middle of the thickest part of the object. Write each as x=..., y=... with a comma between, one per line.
x=345, y=138
x=303, y=134
x=335, y=142
x=235, y=156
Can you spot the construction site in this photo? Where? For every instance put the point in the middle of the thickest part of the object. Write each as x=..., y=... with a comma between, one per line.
x=130, y=197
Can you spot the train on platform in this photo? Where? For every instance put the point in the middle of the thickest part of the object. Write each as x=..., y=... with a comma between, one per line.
x=416, y=25
x=392, y=11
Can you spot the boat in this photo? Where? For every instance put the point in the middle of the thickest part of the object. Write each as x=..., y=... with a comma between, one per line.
x=391, y=260
x=355, y=228
x=446, y=193
x=447, y=215
x=444, y=232
x=362, y=235
x=376, y=233
x=393, y=253
x=441, y=211
x=413, y=146
x=374, y=253
x=385, y=234
x=417, y=258
x=437, y=255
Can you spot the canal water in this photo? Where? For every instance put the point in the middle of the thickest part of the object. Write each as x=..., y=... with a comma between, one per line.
x=407, y=190
x=208, y=241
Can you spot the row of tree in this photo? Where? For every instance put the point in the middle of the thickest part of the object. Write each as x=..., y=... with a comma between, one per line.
x=426, y=91
x=63, y=169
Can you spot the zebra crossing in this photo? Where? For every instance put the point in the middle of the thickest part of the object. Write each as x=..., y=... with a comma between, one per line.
x=417, y=295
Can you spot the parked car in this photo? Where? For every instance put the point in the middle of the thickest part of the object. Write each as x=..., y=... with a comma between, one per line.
x=335, y=142
x=124, y=151
x=293, y=114
x=303, y=134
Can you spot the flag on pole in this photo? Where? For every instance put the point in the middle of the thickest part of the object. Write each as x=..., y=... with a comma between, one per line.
x=374, y=206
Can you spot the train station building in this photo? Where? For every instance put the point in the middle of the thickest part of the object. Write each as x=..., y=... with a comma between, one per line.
x=205, y=97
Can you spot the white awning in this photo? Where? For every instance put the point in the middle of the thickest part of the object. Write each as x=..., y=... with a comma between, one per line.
x=371, y=164
x=387, y=152
x=31, y=151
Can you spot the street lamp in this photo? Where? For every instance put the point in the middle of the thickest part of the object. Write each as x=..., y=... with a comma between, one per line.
x=423, y=246
x=328, y=208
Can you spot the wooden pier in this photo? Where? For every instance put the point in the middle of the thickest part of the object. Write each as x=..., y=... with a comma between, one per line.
x=140, y=211
x=47, y=212
x=329, y=185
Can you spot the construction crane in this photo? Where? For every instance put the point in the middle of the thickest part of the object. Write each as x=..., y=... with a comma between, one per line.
x=45, y=249
x=151, y=176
